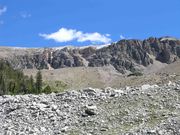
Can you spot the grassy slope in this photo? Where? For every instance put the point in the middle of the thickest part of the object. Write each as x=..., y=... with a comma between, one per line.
x=101, y=77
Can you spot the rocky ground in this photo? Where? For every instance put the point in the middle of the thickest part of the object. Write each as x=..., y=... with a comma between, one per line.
x=147, y=109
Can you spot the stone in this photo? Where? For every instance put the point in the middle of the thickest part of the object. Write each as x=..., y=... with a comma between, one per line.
x=54, y=107
x=104, y=129
x=41, y=106
x=43, y=129
x=64, y=129
x=147, y=86
x=91, y=110
x=90, y=91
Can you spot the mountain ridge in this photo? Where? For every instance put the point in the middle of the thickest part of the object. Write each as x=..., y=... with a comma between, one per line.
x=124, y=55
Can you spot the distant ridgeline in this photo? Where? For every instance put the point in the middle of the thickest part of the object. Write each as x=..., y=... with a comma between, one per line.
x=15, y=82
x=124, y=55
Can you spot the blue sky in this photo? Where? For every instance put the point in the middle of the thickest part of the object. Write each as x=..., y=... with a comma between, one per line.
x=47, y=23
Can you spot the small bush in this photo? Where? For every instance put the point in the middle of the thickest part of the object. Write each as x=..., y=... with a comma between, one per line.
x=47, y=90
x=136, y=73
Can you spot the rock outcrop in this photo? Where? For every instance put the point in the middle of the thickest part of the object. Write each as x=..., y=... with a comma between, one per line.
x=123, y=55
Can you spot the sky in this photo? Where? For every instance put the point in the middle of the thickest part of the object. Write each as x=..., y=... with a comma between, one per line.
x=51, y=23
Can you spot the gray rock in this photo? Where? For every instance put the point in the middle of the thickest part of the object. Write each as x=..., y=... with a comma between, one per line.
x=123, y=55
x=64, y=129
x=91, y=110
x=54, y=107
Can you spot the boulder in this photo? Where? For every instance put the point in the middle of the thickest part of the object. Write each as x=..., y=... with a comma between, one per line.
x=91, y=110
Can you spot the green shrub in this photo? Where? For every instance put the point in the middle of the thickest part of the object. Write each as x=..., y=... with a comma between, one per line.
x=136, y=73
x=47, y=90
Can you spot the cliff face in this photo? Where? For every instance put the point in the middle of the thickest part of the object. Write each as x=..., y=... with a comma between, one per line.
x=123, y=55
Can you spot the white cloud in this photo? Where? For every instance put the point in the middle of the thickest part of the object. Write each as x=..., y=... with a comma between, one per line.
x=25, y=15
x=108, y=35
x=93, y=37
x=3, y=10
x=62, y=35
x=122, y=37
x=65, y=35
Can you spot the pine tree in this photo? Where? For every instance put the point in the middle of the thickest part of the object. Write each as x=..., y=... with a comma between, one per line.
x=11, y=87
x=3, y=87
x=15, y=82
x=38, y=82
x=23, y=87
x=31, y=85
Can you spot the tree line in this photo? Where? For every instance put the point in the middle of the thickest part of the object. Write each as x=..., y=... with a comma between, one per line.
x=15, y=82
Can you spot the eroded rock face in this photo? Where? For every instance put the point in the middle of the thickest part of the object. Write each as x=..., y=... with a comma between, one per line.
x=149, y=109
x=123, y=55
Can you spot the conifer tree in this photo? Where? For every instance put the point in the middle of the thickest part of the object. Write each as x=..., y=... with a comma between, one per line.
x=38, y=82
x=31, y=85
x=15, y=82
x=3, y=87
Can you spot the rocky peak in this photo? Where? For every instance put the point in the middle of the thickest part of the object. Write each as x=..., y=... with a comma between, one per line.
x=123, y=55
